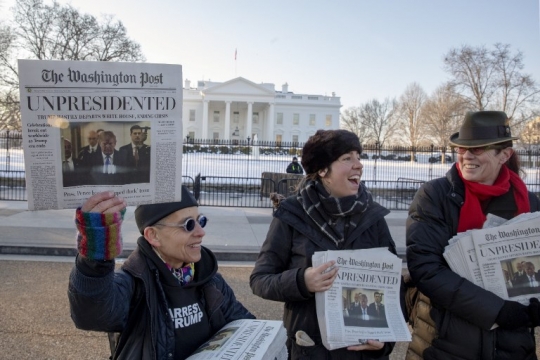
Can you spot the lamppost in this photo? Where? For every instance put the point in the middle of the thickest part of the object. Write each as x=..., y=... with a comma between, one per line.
x=248, y=138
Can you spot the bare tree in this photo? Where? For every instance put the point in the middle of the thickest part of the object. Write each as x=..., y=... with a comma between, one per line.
x=410, y=114
x=378, y=118
x=443, y=114
x=8, y=70
x=10, y=116
x=63, y=33
x=58, y=32
x=515, y=91
x=493, y=80
x=351, y=120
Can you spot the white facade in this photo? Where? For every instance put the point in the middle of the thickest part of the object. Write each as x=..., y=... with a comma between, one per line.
x=213, y=110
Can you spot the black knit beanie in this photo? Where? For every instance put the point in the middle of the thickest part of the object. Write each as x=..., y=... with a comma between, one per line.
x=149, y=214
x=326, y=146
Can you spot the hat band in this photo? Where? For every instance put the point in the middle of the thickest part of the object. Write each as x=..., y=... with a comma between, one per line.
x=484, y=132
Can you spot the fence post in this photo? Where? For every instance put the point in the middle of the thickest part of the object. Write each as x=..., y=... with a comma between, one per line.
x=430, y=172
x=7, y=151
x=248, y=154
x=375, y=162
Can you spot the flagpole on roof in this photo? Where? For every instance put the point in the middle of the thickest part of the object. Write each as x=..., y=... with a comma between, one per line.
x=235, y=53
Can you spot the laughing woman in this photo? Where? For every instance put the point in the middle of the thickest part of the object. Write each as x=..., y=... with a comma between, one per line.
x=332, y=211
x=485, y=179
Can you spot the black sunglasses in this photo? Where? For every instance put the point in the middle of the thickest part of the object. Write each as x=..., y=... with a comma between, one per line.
x=475, y=150
x=189, y=224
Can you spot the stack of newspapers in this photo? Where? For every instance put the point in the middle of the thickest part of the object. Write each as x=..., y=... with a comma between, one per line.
x=246, y=339
x=363, y=302
x=502, y=257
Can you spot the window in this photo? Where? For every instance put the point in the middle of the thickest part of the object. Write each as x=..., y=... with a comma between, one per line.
x=191, y=136
x=216, y=116
x=295, y=138
x=191, y=115
x=255, y=118
x=279, y=119
x=278, y=138
x=296, y=119
x=216, y=136
x=312, y=120
x=236, y=117
x=328, y=120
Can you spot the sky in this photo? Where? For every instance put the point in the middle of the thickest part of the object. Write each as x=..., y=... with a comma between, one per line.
x=359, y=49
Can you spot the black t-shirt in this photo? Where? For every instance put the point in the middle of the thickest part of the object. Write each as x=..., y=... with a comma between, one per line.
x=190, y=321
x=185, y=307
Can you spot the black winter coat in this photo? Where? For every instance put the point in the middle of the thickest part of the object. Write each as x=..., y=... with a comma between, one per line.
x=286, y=253
x=463, y=312
x=132, y=301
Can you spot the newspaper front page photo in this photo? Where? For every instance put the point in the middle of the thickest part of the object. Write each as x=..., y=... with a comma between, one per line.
x=96, y=126
x=364, y=301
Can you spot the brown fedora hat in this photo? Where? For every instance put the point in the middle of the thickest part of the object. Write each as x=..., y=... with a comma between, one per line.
x=482, y=128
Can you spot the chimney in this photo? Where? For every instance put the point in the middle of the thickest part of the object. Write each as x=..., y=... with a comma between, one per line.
x=285, y=88
x=333, y=94
x=187, y=84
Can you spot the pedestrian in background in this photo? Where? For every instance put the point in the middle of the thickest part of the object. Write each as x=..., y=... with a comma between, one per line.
x=294, y=167
x=470, y=322
x=332, y=210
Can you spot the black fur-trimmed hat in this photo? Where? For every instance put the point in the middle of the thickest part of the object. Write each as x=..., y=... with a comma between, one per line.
x=326, y=146
x=149, y=214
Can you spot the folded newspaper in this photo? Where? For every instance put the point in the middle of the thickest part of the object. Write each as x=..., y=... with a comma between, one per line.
x=502, y=257
x=364, y=302
x=246, y=339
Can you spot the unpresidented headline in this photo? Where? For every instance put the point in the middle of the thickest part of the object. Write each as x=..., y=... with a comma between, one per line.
x=508, y=248
x=365, y=277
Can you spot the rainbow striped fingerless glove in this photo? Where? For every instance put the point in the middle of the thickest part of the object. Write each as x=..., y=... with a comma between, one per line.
x=99, y=236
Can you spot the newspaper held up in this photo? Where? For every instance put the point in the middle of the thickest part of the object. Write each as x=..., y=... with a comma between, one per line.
x=100, y=126
x=246, y=339
x=364, y=301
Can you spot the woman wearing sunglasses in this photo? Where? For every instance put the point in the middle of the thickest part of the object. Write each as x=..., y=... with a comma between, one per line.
x=167, y=299
x=485, y=179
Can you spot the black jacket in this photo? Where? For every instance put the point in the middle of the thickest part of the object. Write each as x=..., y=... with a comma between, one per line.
x=295, y=168
x=463, y=312
x=286, y=253
x=132, y=301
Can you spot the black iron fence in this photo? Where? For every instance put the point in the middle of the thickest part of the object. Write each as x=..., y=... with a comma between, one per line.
x=12, y=175
x=242, y=173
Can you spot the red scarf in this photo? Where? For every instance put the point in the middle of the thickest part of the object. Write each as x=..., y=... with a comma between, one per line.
x=471, y=215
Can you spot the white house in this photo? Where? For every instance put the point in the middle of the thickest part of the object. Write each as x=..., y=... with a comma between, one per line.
x=239, y=108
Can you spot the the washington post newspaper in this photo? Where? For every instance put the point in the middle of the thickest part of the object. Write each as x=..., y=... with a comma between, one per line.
x=509, y=257
x=246, y=339
x=100, y=126
x=364, y=302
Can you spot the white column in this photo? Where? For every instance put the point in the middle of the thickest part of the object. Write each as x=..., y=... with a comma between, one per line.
x=204, y=134
x=249, y=120
x=270, y=127
x=227, y=132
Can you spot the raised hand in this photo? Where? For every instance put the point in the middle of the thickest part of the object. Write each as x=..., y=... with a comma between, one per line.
x=104, y=202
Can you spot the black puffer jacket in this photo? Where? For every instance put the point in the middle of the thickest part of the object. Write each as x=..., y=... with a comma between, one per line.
x=463, y=312
x=286, y=253
x=132, y=301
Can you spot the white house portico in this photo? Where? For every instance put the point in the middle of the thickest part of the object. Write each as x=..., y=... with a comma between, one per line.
x=238, y=109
